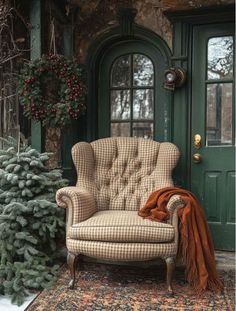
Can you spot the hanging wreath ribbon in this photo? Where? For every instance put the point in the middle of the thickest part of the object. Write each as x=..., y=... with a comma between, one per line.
x=71, y=90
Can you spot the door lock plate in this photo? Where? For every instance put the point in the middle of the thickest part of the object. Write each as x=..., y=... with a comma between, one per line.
x=197, y=141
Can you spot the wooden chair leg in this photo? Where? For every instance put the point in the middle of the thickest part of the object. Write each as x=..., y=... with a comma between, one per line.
x=170, y=265
x=71, y=261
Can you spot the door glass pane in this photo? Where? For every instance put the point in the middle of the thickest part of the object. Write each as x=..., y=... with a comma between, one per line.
x=143, y=129
x=121, y=72
x=219, y=114
x=132, y=96
x=220, y=58
x=143, y=104
x=120, y=104
x=120, y=129
x=143, y=70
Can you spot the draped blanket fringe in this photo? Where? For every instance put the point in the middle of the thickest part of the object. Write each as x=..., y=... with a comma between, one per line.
x=196, y=245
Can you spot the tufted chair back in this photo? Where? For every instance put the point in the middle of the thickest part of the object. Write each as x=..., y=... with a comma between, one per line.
x=121, y=172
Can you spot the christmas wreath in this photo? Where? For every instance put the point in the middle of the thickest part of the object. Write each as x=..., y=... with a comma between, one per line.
x=68, y=98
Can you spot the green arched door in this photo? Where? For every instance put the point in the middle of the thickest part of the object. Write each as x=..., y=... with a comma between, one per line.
x=131, y=97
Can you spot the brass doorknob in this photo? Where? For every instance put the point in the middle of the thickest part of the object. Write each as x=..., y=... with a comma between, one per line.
x=197, y=158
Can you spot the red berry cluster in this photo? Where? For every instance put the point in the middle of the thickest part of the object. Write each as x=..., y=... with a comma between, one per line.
x=74, y=88
x=37, y=112
x=74, y=113
x=31, y=80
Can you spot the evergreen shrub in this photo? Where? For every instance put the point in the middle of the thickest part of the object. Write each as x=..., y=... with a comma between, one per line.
x=30, y=221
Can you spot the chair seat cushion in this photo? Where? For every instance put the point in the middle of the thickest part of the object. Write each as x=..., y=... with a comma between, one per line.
x=121, y=226
x=122, y=251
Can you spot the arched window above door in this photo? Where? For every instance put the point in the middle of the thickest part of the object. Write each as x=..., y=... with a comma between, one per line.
x=132, y=91
x=126, y=95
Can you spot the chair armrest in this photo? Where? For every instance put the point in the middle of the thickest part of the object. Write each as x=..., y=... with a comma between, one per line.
x=81, y=202
x=174, y=203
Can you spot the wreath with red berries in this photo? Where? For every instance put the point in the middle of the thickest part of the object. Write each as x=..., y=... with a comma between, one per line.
x=70, y=89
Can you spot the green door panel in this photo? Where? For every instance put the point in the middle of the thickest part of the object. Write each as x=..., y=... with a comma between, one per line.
x=162, y=98
x=213, y=179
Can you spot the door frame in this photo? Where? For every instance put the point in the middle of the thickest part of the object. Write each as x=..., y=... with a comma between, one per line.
x=183, y=24
x=97, y=50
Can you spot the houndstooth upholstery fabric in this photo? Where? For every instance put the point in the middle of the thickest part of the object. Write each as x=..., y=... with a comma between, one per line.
x=174, y=203
x=122, y=251
x=81, y=201
x=115, y=178
x=122, y=172
x=121, y=226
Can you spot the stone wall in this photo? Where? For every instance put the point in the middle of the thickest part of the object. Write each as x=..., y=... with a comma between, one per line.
x=96, y=16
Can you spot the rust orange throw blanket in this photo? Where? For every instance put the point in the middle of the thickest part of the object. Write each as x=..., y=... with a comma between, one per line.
x=196, y=246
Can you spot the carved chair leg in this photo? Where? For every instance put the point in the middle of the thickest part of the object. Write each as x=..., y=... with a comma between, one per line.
x=170, y=265
x=71, y=261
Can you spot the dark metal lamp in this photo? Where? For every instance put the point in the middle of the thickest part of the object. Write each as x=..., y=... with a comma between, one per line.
x=174, y=77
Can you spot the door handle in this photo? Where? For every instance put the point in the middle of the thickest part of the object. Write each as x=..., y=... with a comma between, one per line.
x=197, y=141
x=197, y=158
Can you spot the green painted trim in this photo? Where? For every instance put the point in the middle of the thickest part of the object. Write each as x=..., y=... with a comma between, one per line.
x=95, y=53
x=36, y=50
x=126, y=20
x=68, y=42
x=36, y=136
x=180, y=108
x=69, y=134
x=204, y=15
x=76, y=131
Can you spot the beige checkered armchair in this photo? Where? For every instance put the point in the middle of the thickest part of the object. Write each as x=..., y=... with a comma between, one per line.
x=115, y=178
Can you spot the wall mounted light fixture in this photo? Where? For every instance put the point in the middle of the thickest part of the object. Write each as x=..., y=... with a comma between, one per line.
x=174, y=77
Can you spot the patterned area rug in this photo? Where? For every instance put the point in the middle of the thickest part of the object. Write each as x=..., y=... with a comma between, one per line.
x=124, y=288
